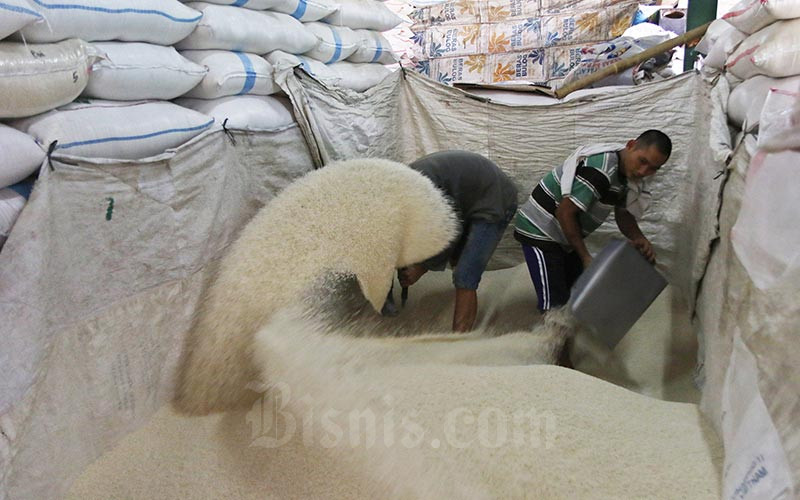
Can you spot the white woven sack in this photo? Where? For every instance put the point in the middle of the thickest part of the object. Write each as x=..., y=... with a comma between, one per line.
x=108, y=129
x=292, y=35
x=782, y=9
x=605, y=54
x=318, y=69
x=234, y=28
x=717, y=30
x=21, y=155
x=779, y=127
x=774, y=51
x=247, y=4
x=334, y=43
x=14, y=15
x=723, y=45
x=37, y=77
x=359, y=77
x=231, y=73
x=766, y=240
x=11, y=205
x=747, y=100
x=136, y=71
x=162, y=22
x=306, y=10
x=245, y=112
x=372, y=48
x=364, y=14
x=752, y=15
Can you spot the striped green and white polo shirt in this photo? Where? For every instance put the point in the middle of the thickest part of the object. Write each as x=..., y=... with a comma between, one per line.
x=598, y=187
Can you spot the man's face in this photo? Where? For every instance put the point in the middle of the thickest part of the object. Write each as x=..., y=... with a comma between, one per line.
x=642, y=161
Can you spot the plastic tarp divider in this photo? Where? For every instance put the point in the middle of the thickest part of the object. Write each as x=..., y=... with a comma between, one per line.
x=101, y=276
x=408, y=116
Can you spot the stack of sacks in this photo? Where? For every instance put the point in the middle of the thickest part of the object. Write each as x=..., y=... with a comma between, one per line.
x=492, y=41
x=401, y=36
x=364, y=67
x=230, y=42
x=32, y=79
x=766, y=240
x=759, y=41
x=757, y=46
x=55, y=60
x=20, y=159
x=350, y=43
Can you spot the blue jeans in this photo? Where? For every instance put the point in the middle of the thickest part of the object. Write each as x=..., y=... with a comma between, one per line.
x=481, y=240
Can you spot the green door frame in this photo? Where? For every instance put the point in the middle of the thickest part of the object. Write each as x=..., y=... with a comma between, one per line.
x=698, y=13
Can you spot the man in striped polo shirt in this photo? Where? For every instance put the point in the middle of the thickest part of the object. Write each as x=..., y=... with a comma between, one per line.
x=574, y=199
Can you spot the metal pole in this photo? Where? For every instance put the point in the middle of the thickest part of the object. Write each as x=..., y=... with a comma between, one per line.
x=699, y=12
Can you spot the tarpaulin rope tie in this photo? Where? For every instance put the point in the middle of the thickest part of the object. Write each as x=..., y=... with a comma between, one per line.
x=50, y=150
x=228, y=132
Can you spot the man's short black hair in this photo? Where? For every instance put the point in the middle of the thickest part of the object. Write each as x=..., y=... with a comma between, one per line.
x=656, y=138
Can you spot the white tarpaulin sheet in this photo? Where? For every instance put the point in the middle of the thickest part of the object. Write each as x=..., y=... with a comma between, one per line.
x=98, y=284
x=408, y=116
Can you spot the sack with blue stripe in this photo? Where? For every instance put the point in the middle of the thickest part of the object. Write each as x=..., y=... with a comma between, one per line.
x=163, y=22
x=334, y=43
x=249, y=4
x=231, y=73
x=258, y=32
x=306, y=10
x=372, y=48
x=35, y=78
x=16, y=14
x=113, y=129
x=131, y=71
x=255, y=113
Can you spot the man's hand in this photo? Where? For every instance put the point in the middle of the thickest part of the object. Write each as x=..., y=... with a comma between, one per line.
x=645, y=248
x=629, y=227
x=567, y=216
x=409, y=275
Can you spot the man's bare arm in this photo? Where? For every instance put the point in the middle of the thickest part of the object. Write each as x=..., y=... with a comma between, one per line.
x=630, y=228
x=567, y=216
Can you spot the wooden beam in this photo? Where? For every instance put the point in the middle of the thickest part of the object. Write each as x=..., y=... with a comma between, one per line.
x=630, y=62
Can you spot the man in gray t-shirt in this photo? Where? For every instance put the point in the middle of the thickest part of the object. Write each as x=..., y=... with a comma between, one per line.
x=485, y=200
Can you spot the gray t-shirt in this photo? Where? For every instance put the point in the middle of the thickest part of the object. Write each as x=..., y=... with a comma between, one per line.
x=478, y=189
